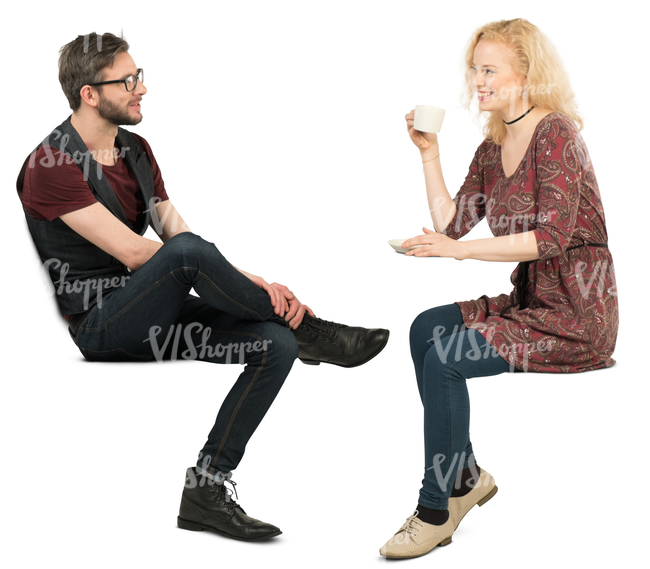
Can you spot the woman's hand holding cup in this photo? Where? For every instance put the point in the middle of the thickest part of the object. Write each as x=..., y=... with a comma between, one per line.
x=427, y=142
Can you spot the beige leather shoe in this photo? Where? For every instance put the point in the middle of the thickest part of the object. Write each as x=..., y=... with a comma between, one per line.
x=484, y=490
x=416, y=538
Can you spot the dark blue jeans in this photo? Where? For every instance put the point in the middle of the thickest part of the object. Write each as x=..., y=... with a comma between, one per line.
x=153, y=317
x=445, y=355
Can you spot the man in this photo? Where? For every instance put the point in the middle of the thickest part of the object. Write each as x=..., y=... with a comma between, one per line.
x=89, y=191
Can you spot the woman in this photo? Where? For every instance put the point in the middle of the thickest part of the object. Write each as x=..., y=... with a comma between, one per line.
x=534, y=182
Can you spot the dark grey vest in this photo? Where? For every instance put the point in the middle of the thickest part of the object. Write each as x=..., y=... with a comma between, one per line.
x=78, y=268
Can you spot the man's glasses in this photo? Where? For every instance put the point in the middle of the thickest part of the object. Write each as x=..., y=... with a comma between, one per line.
x=130, y=82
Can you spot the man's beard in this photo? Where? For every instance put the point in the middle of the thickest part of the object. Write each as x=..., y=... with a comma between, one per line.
x=114, y=114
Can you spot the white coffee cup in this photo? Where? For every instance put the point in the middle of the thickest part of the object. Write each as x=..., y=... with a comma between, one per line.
x=428, y=118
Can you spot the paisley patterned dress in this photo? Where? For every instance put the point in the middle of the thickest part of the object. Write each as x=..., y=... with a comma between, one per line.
x=564, y=316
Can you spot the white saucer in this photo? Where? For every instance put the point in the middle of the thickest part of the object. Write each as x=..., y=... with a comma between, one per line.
x=397, y=245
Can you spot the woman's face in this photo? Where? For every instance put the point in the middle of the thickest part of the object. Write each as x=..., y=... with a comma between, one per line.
x=498, y=86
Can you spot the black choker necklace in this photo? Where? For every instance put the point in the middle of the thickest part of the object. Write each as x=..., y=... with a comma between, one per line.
x=522, y=116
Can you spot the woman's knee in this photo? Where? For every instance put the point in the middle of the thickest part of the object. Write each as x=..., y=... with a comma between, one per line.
x=439, y=357
x=461, y=356
x=435, y=323
x=448, y=354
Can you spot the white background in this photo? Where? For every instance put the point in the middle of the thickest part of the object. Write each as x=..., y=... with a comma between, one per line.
x=279, y=128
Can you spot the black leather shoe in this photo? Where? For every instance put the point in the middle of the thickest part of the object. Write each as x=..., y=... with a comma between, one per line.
x=208, y=505
x=338, y=344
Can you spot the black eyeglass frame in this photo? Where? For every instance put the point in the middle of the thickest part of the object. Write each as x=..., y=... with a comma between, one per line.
x=140, y=73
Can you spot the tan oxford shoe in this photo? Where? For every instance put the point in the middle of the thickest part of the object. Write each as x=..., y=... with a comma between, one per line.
x=484, y=490
x=416, y=538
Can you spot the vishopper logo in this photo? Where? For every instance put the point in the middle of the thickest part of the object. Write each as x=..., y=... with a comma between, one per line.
x=516, y=94
x=74, y=157
x=525, y=221
x=587, y=278
x=78, y=286
x=87, y=42
x=453, y=467
x=470, y=208
x=193, y=481
x=204, y=348
x=158, y=222
x=521, y=351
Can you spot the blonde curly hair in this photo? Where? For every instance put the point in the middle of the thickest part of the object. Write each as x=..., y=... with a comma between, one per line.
x=534, y=56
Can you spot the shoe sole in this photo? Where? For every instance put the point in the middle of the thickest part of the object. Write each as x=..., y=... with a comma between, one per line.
x=441, y=544
x=195, y=526
x=317, y=362
x=482, y=501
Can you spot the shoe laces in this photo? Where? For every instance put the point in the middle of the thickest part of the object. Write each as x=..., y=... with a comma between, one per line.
x=321, y=328
x=221, y=492
x=411, y=523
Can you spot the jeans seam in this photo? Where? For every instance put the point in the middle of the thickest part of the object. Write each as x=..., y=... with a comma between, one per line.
x=170, y=274
x=137, y=357
x=224, y=438
x=225, y=295
x=136, y=299
x=448, y=406
x=448, y=370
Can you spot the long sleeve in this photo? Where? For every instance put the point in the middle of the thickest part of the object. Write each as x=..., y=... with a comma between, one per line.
x=470, y=201
x=558, y=180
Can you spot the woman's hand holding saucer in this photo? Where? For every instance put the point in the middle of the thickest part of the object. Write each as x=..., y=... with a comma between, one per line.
x=434, y=244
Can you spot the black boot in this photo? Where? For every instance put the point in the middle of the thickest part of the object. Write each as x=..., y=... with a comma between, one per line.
x=208, y=505
x=338, y=344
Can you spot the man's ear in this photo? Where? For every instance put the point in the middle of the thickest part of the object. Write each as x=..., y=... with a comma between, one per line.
x=89, y=95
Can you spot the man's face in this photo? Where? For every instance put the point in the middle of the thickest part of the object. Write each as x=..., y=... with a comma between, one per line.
x=117, y=105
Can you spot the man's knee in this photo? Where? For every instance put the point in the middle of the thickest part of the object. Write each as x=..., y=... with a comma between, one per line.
x=185, y=240
x=189, y=247
x=278, y=341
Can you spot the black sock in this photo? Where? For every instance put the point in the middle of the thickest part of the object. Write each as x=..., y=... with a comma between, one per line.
x=466, y=479
x=434, y=517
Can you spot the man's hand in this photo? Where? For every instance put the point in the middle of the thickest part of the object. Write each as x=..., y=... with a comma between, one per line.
x=296, y=309
x=284, y=302
x=278, y=301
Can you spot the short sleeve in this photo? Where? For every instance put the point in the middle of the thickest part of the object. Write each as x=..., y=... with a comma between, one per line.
x=470, y=201
x=54, y=185
x=558, y=180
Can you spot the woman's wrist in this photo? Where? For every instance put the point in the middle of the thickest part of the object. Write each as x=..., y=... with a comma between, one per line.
x=430, y=154
x=462, y=251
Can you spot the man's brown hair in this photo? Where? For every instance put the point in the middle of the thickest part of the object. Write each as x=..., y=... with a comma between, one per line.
x=82, y=61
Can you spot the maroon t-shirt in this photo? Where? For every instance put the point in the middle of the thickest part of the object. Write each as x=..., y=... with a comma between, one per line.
x=55, y=185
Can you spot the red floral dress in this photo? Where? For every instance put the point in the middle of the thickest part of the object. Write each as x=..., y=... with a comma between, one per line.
x=569, y=319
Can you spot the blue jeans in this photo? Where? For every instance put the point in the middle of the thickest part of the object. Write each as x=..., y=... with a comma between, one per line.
x=153, y=317
x=445, y=355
